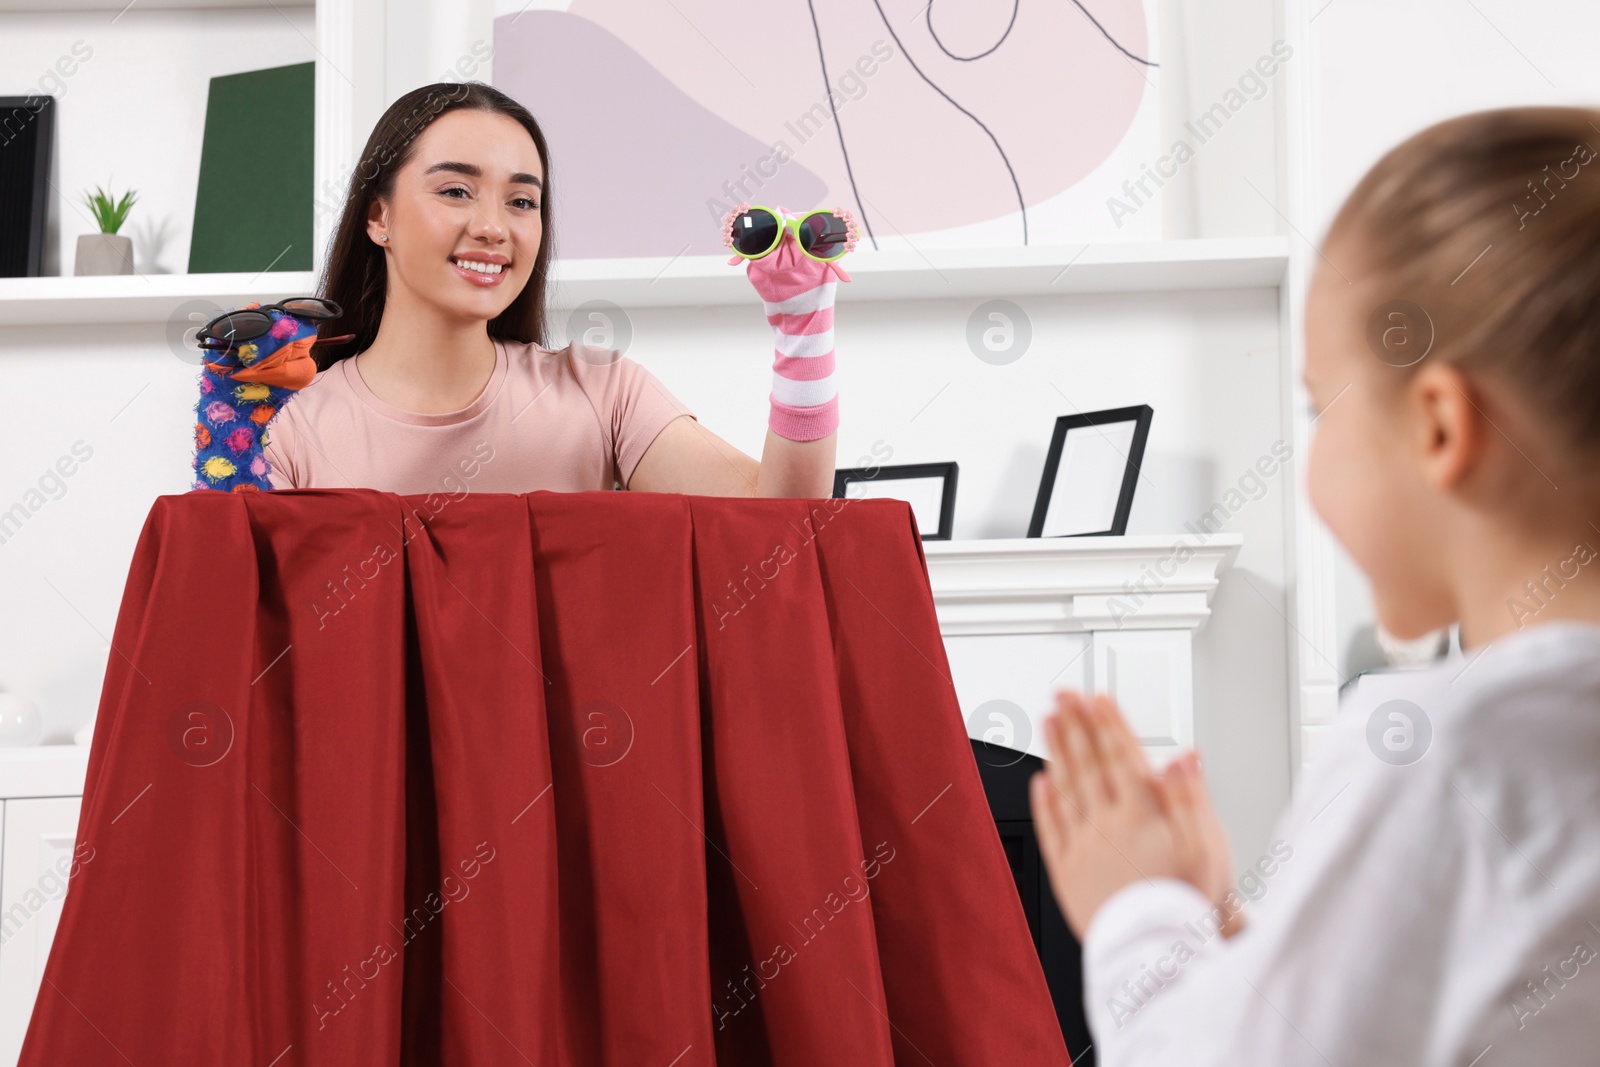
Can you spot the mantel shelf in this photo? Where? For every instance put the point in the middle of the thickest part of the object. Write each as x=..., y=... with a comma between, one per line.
x=934, y=273
x=700, y=281
x=140, y=298
x=1077, y=584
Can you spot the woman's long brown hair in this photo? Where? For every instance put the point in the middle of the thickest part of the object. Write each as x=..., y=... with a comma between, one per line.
x=355, y=275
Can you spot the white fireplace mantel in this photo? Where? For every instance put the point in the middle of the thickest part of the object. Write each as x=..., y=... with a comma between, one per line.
x=1024, y=617
x=1076, y=584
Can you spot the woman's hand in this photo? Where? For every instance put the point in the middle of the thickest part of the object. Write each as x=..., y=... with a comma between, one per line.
x=1100, y=820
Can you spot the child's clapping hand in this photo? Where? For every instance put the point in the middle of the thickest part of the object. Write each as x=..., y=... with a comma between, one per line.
x=1105, y=821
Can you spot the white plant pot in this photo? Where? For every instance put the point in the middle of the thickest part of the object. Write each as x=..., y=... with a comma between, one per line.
x=104, y=253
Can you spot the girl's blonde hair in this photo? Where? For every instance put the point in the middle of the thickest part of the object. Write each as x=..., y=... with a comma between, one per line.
x=1490, y=222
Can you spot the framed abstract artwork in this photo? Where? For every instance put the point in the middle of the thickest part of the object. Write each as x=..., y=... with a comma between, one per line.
x=705, y=104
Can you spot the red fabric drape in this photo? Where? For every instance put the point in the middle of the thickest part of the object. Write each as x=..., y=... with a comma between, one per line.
x=551, y=778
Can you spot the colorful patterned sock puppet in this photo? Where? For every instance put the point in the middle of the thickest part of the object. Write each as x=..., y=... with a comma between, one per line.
x=243, y=387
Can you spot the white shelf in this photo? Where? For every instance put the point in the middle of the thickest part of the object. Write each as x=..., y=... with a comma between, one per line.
x=932, y=273
x=43, y=771
x=698, y=281
x=1076, y=584
x=134, y=298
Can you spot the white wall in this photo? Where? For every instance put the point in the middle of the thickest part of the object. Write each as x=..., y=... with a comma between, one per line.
x=122, y=393
x=1386, y=69
x=1213, y=44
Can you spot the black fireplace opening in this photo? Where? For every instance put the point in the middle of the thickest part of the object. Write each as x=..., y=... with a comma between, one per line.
x=1005, y=773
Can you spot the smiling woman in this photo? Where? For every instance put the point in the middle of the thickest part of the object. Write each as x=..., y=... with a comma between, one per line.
x=440, y=263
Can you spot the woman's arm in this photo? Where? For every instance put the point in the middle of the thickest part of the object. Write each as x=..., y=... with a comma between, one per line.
x=688, y=458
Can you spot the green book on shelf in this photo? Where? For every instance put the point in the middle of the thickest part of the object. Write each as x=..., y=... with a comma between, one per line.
x=252, y=211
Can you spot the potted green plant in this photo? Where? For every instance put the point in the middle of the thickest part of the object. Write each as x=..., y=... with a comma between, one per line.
x=106, y=252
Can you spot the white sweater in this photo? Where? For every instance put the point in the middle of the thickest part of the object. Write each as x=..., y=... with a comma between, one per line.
x=1442, y=912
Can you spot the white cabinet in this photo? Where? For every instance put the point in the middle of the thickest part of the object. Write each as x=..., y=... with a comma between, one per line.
x=1022, y=618
x=37, y=834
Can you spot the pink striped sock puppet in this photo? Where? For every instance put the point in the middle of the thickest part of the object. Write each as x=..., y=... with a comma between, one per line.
x=798, y=292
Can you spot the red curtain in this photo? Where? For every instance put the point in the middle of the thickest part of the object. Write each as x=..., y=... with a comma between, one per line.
x=548, y=778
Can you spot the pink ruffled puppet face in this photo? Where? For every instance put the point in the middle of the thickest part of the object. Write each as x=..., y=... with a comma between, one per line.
x=787, y=260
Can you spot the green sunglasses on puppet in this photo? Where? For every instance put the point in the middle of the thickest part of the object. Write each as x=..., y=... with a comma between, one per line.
x=754, y=231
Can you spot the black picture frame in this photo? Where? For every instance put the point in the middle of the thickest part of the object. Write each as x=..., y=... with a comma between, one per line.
x=27, y=136
x=905, y=471
x=1140, y=415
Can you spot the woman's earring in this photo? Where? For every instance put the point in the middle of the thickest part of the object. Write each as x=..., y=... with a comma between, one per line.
x=383, y=237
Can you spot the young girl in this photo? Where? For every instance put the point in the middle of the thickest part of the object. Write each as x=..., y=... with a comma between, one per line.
x=1432, y=896
x=440, y=264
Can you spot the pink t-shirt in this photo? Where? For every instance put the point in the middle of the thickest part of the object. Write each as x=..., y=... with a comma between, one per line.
x=570, y=420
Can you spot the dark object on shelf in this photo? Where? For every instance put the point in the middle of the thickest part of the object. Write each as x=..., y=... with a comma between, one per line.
x=27, y=141
x=252, y=209
x=1090, y=473
x=1005, y=773
x=932, y=494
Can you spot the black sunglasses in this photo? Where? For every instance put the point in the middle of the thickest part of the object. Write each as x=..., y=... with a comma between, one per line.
x=234, y=327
